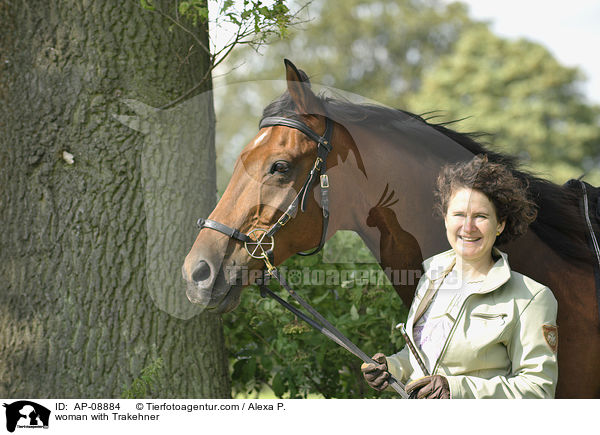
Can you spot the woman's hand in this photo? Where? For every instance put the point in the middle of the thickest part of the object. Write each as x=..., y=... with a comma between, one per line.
x=376, y=375
x=430, y=387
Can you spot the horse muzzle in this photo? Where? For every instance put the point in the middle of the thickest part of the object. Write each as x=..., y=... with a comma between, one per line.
x=209, y=287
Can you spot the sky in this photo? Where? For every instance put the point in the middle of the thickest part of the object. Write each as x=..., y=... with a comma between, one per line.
x=569, y=29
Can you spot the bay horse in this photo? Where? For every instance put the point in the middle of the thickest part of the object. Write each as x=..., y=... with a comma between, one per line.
x=377, y=149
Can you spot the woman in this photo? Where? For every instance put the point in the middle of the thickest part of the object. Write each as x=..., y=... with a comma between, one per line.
x=481, y=330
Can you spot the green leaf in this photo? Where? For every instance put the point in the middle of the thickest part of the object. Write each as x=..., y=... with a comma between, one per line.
x=147, y=4
x=354, y=313
x=321, y=298
x=203, y=13
x=184, y=7
x=278, y=385
x=226, y=5
x=249, y=369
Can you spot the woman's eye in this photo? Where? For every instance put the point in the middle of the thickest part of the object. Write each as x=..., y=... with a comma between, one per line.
x=280, y=166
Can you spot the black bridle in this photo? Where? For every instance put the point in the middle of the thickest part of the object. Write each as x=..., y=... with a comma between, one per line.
x=258, y=247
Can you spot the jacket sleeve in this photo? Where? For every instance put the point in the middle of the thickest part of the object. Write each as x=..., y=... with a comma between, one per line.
x=399, y=365
x=534, y=364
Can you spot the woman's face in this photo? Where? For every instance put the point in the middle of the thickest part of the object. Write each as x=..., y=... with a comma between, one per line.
x=471, y=225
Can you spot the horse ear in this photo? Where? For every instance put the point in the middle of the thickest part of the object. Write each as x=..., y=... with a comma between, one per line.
x=299, y=89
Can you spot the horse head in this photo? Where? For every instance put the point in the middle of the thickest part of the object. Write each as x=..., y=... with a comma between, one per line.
x=267, y=177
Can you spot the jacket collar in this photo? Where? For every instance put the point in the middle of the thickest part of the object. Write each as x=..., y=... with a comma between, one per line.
x=439, y=265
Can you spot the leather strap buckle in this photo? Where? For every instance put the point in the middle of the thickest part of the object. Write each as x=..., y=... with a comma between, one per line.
x=324, y=181
x=270, y=267
x=318, y=162
x=284, y=219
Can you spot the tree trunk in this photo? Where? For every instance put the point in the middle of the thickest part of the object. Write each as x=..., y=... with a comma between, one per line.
x=96, y=216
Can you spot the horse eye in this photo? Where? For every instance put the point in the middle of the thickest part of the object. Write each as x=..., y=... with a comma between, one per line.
x=280, y=166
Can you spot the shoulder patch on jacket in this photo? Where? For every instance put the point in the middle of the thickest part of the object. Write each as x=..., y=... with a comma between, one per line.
x=551, y=336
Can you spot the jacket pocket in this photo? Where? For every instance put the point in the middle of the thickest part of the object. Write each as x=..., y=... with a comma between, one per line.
x=490, y=316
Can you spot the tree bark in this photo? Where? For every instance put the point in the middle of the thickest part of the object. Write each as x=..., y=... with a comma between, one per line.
x=96, y=216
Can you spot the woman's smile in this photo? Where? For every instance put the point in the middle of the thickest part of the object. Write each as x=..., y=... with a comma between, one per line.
x=469, y=239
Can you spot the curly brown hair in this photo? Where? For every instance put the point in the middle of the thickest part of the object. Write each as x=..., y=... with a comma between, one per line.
x=496, y=181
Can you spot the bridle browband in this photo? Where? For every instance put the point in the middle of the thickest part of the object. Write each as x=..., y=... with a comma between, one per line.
x=255, y=246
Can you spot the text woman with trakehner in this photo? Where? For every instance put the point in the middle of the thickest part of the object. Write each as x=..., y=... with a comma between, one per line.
x=481, y=329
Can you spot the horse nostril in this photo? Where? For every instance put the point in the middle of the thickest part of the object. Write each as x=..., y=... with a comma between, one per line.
x=202, y=272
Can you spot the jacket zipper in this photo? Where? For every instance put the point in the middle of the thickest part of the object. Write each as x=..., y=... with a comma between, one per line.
x=462, y=308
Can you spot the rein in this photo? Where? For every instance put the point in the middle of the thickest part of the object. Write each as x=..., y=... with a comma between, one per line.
x=260, y=243
x=320, y=323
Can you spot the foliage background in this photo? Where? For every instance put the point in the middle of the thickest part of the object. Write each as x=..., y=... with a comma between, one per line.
x=423, y=56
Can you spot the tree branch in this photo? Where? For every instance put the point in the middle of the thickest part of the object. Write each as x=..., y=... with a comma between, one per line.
x=184, y=28
x=246, y=34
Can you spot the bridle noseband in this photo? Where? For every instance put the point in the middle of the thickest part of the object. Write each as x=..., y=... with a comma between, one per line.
x=259, y=242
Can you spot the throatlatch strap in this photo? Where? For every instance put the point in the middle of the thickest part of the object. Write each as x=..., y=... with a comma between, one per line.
x=324, y=186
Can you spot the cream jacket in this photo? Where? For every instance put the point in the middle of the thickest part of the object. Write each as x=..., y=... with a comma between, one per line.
x=503, y=340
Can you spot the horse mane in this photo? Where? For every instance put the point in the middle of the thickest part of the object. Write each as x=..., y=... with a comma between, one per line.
x=558, y=223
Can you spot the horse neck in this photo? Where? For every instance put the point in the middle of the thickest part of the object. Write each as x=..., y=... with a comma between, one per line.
x=409, y=169
x=401, y=236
